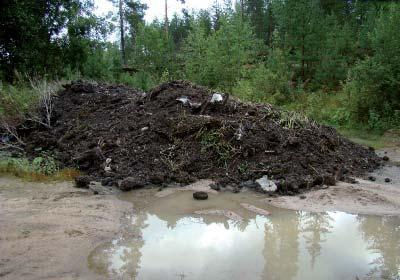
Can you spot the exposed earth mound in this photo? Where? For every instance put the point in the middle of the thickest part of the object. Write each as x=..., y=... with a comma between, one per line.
x=180, y=132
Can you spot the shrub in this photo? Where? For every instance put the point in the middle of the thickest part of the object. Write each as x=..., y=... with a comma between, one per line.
x=268, y=82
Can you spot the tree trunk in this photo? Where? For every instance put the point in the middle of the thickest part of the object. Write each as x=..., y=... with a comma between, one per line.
x=166, y=16
x=121, y=19
x=242, y=8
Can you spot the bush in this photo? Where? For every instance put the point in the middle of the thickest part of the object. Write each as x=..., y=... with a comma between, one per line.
x=41, y=166
x=141, y=80
x=374, y=83
x=268, y=82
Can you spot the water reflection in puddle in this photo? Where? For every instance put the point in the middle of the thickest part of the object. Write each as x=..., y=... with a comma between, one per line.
x=166, y=240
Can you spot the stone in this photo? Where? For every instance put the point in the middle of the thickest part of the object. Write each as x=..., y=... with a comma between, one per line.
x=388, y=180
x=248, y=184
x=107, y=182
x=351, y=180
x=372, y=178
x=200, y=195
x=215, y=187
x=319, y=180
x=90, y=158
x=266, y=185
x=385, y=158
x=82, y=182
x=157, y=179
x=236, y=190
x=303, y=197
x=143, y=129
x=329, y=180
x=130, y=183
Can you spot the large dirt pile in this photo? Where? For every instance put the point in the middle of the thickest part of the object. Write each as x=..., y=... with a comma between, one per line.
x=180, y=132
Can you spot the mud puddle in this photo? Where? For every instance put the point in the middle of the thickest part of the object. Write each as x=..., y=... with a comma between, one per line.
x=231, y=236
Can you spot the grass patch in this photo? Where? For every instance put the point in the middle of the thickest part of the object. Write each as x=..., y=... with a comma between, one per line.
x=363, y=137
x=371, y=139
x=213, y=141
x=39, y=169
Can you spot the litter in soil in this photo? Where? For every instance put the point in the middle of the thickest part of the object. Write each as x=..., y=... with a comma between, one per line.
x=181, y=132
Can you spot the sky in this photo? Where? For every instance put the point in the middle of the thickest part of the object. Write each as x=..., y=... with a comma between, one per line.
x=156, y=7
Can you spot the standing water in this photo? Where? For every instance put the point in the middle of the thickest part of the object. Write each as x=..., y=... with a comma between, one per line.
x=176, y=237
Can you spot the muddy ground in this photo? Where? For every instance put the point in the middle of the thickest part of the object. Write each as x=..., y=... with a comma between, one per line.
x=177, y=133
x=47, y=230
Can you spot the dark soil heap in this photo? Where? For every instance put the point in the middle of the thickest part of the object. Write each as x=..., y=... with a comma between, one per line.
x=177, y=133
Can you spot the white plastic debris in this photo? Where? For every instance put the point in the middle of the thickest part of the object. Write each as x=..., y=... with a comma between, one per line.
x=216, y=98
x=143, y=129
x=239, y=133
x=266, y=184
x=183, y=99
x=107, y=168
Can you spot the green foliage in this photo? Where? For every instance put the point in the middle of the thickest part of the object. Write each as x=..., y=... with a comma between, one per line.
x=213, y=141
x=101, y=64
x=40, y=37
x=22, y=167
x=374, y=83
x=292, y=120
x=217, y=60
x=44, y=165
x=142, y=80
x=267, y=82
x=153, y=51
x=27, y=100
x=15, y=100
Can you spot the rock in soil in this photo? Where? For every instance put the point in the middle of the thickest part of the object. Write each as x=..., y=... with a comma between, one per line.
x=82, y=182
x=130, y=183
x=93, y=122
x=266, y=185
x=215, y=187
x=372, y=178
x=200, y=195
x=385, y=158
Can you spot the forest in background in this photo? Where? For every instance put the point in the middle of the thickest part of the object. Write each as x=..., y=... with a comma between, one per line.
x=336, y=61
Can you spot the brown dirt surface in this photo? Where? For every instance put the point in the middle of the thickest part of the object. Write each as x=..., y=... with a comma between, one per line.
x=153, y=138
x=48, y=229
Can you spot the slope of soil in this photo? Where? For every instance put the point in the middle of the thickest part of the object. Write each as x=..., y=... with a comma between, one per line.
x=116, y=132
x=374, y=198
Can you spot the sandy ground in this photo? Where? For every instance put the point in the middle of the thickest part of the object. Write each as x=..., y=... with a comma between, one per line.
x=365, y=197
x=47, y=230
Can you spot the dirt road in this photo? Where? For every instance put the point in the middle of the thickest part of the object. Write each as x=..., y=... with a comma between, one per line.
x=47, y=230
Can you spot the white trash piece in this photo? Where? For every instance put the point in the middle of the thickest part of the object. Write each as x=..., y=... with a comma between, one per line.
x=216, y=98
x=107, y=168
x=183, y=99
x=266, y=184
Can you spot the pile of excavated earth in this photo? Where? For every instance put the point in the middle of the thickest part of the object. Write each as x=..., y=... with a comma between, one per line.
x=180, y=132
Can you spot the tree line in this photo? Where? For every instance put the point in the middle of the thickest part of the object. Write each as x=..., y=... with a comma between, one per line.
x=337, y=60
